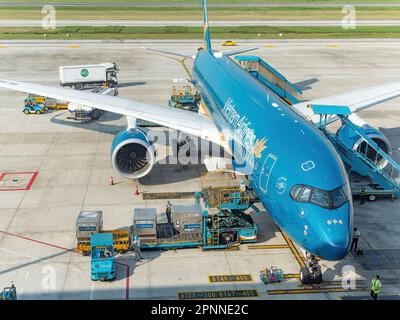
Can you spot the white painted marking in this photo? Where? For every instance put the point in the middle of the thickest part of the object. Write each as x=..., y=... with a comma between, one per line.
x=308, y=165
x=91, y=292
x=265, y=173
x=281, y=185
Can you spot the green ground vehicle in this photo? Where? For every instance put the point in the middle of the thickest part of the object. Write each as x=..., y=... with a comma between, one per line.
x=31, y=107
x=103, y=258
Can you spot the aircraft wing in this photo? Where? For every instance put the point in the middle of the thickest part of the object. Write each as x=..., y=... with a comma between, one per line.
x=238, y=51
x=193, y=56
x=355, y=100
x=185, y=121
x=183, y=55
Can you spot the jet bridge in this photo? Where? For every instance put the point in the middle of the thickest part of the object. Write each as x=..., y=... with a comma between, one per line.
x=270, y=78
x=366, y=158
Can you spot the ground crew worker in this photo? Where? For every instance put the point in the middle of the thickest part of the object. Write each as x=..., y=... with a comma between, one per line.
x=136, y=248
x=362, y=194
x=242, y=186
x=168, y=211
x=354, y=242
x=376, y=286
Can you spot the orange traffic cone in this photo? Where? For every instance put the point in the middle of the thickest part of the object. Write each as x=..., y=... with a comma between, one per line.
x=137, y=191
x=111, y=181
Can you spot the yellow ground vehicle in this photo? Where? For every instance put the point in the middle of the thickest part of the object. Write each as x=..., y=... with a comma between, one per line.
x=91, y=222
x=48, y=103
x=229, y=43
x=37, y=99
x=120, y=238
x=56, y=104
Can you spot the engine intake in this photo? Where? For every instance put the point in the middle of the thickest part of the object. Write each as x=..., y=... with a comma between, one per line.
x=132, y=154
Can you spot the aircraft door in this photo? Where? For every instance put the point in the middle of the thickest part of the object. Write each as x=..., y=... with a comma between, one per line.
x=265, y=173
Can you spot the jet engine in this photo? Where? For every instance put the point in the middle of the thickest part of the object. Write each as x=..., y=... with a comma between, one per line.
x=353, y=141
x=132, y=153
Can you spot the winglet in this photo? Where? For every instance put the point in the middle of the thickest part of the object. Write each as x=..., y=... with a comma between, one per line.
x=207, y=40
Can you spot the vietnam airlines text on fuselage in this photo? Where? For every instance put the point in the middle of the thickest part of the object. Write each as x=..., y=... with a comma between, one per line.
x=279, y=150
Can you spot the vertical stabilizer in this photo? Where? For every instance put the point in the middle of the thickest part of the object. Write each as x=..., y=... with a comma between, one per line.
x=207, y=41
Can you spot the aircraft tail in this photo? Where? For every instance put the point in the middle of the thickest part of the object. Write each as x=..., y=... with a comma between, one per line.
x=207, y=40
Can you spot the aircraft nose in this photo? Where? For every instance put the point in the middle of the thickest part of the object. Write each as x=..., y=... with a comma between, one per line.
x=336, y=234
x=335, y=250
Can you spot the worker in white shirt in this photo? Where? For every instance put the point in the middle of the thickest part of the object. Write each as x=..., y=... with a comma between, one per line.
x=354, y=242
x=136, y=248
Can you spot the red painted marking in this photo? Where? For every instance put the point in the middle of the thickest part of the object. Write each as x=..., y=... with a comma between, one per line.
x=27, y=187
x=30, y=183
x=38, y=241
x=74, y=251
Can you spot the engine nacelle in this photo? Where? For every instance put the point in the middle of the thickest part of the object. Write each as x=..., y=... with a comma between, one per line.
x=353, y=141
x=132, y=154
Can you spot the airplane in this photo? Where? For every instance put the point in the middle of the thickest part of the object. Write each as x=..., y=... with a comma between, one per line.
x=294, y=169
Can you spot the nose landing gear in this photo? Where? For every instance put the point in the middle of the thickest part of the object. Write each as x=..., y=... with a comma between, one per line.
x=311, y=273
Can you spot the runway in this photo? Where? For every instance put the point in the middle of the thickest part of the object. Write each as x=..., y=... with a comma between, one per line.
x=196, y=23
x=209, y=4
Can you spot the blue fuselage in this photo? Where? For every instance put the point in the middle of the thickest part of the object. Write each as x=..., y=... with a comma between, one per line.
x=278, y=149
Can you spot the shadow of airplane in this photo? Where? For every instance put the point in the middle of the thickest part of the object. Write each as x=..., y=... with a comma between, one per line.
x=131, y=84
x=305, y=84
x=94, y=125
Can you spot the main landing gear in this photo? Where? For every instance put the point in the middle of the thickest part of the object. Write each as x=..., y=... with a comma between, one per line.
x=311, y=273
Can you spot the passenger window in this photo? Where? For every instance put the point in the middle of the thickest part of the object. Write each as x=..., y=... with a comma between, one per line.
x=305, y=194
x=320, y=198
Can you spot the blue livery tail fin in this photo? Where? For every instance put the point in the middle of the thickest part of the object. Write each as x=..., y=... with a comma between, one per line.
x=207, y=40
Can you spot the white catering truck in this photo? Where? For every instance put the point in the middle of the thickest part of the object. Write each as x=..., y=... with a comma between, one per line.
x=89, y=76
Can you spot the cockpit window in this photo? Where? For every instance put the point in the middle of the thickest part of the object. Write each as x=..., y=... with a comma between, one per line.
x=338, y=197
x=320, y=198
x=295, y=191
x=305, y=194
x=325, y=199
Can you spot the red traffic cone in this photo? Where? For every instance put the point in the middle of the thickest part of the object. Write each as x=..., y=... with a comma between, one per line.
x=111, y=181
x=137, y=191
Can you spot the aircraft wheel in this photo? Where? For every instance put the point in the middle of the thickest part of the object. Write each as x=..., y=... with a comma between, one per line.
x=372, y=198
x=318, y=278
x=304, y=275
